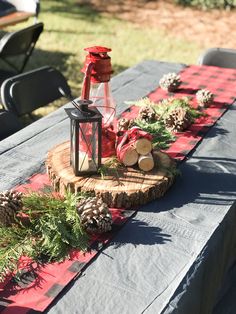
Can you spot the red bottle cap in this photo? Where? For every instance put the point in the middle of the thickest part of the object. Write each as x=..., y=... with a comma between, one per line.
x=97, y=49
x=101, y=70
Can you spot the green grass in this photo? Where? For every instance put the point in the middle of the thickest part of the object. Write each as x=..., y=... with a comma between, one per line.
x=70, y=27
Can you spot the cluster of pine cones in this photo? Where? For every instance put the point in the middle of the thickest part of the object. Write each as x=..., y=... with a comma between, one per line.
x=94, y=215
x=10, y=204
x=177, y=120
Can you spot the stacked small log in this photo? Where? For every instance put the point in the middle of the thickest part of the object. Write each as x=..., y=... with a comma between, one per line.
x=135, y=148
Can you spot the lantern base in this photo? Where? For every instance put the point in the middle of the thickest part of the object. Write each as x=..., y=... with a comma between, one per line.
x=121, y=188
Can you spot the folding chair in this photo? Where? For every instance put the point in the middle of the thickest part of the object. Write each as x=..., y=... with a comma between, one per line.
x=6, y=8
x=23, y=93
x=9, y=124
x=18, y=46
x=221, y=57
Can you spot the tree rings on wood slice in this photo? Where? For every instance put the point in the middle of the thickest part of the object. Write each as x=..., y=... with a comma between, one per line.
x=121, y=188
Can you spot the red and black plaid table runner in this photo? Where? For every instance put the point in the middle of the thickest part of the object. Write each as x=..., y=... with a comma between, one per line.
x=37, y=288
x=220, y=81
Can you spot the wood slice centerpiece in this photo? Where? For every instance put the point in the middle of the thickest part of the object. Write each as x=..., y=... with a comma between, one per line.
x=121, y=187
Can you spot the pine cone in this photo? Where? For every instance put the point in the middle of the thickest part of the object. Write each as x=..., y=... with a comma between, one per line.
x=10, y=204
x=125, y=124
x=178, y=120
x=147, y=113
x=204, y=97
x=95, y=215
x=170, y=82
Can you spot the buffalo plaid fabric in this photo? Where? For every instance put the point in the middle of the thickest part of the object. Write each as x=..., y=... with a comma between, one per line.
x=220, y=81
x=37, y=286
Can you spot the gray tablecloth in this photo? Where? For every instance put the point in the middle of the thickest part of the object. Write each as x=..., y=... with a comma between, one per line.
x=173, y=255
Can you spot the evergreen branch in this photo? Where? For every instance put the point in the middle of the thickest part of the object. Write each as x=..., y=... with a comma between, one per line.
x=14, y=242
x=111, y=163
x=52, y=229
x=161, y=136
x=144, y=102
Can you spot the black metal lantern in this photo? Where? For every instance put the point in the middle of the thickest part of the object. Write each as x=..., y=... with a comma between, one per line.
x=85, y=137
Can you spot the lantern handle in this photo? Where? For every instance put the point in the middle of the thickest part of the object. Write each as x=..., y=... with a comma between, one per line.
x=86, y=82
x=69, y=97
x=64, y=94
x=83, y=103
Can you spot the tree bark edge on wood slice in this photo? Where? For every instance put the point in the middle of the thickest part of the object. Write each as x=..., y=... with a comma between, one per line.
x=121, y=188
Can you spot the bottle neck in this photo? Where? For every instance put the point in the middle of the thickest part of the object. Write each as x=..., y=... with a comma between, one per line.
x=103, y=99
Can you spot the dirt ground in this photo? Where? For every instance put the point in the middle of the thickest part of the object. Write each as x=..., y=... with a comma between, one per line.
x=207, y=28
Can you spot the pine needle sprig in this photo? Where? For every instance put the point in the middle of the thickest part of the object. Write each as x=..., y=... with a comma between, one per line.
x=166, y=106
x=162, y=138
x=73, y=220
x=142, y=102
x=14, y=242
x=40, y=203
x=58, y=229
x=51, y=228
x=109, y=165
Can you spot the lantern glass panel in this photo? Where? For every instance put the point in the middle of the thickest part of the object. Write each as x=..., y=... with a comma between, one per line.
x=72, y=143
x=86, y=136
x=88, y=147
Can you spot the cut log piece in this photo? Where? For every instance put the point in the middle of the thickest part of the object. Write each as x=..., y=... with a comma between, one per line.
x=121, y=188
x=129, y=156
x=143, y=146
x=146, y=162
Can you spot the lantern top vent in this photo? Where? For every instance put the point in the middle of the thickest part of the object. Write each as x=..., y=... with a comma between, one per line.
x=97, y=49
x=84, y=112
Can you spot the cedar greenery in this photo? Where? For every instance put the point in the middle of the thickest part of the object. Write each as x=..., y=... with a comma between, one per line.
x=47, y=230
x=161, y=136
x=164, y=108
x=14, y=242
x=110, y=164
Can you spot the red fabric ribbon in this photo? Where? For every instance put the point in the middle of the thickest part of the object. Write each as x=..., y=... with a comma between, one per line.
x=108, y=142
